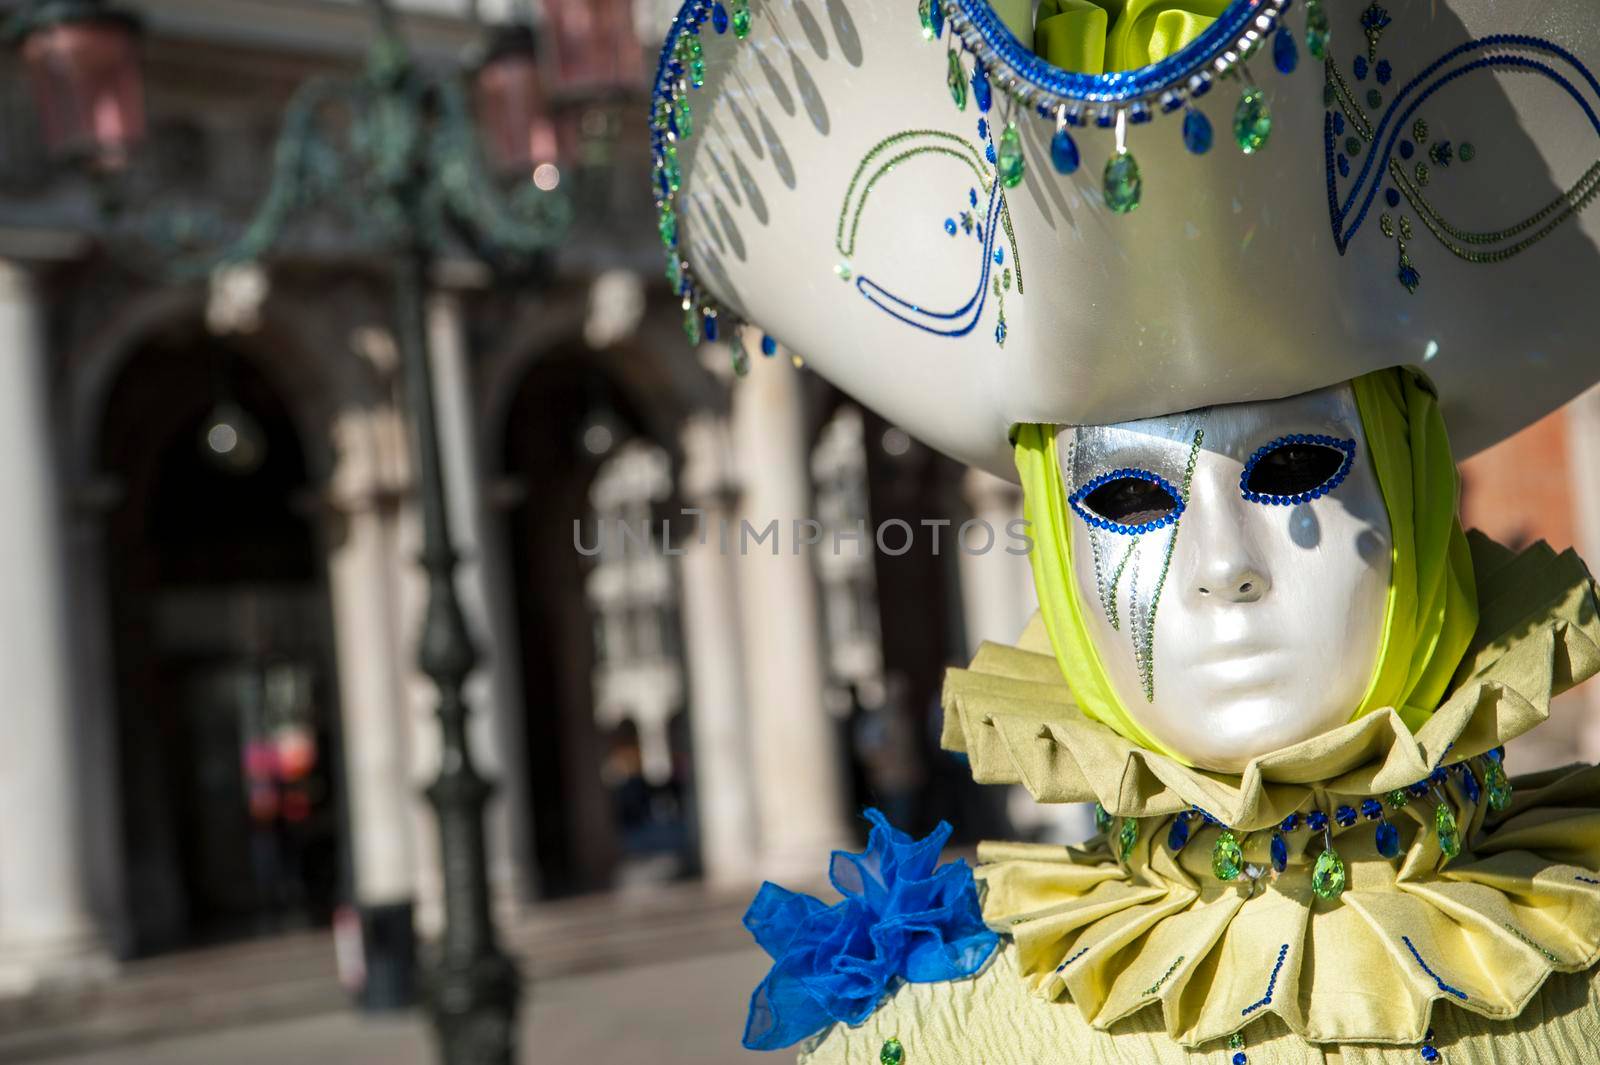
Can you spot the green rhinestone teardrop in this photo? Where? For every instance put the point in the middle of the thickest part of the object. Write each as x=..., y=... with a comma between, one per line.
x=697, y=73
x=1102, y=819
x=1498, y=787
x=1317, y=31
x=1127, y=837
x=741, y=358
x=691, y=324
x=674, y=272
x=892, y=1053
x=683, y=118
x=1010, y=162
x=1122, y=183
x=1227, y=858
x=1327, y=876
x=1252, y=120
x=741, y=19
x=956, y=79
x=925, y=16
x=667, y=226
x=1444, y=826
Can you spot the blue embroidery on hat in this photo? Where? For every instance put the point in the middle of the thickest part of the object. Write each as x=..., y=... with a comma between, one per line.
x=1387, y=135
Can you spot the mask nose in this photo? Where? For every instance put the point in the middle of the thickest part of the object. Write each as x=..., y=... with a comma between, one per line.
x=1228, y=564
x=1233, y=584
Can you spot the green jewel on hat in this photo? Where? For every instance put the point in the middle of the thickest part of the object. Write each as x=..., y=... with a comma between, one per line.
x=1227, y=858
x=741, y=18
x=1252, y=120
x=1010, y=164
x=892, y=1052
x=1317, y=32
x=1123, y=185
x=956, y=79
x=1102, y=819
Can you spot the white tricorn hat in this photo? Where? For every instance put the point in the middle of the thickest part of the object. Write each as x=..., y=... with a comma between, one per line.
x=1241, y=220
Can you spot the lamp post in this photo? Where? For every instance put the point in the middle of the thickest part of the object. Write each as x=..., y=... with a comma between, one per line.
x=409, y=173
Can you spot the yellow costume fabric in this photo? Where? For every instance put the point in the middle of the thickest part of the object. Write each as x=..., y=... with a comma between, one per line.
x=1153, y=959
x=1103, y=36
x=1432, y=608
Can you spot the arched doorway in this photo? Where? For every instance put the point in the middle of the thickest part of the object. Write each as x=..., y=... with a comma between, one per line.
x=607, y=757
x=222, y=650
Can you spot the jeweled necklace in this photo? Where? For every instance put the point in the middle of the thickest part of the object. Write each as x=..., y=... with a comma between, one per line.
x=1328, y=874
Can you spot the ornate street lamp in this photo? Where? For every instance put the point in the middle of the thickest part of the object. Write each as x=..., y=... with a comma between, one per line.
x=518, y=131
x=82, y=63
x=406, y=169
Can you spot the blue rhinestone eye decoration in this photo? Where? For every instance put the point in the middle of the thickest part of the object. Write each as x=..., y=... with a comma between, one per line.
x=1096, y=521
x=1348, y=447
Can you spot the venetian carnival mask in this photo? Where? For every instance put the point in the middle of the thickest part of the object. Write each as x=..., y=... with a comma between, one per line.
x=1231, y=566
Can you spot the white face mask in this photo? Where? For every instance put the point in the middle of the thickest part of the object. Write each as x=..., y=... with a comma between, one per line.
x=1231, y=625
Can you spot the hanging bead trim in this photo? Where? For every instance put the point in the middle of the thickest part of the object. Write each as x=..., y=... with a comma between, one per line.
x=1227, y=859
x=1429, y=1052
x=1123, y=98
x=680, y=71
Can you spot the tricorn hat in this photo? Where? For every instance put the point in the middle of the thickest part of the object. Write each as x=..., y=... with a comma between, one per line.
x=1278, y=196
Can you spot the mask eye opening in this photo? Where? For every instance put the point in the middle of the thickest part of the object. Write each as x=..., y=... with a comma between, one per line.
x=1096, y=521
x=1346, y=447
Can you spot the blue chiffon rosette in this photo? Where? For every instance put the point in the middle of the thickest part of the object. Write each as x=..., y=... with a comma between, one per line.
x=903, y=917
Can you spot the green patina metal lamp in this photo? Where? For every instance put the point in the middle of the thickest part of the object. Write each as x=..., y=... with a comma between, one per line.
x=407, y=171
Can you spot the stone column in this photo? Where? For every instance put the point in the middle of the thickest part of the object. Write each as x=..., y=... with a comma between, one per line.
x=998, y=598
x=47, y=931
x=494, y=691
x=724, y=797
x=794, y=743
x=377, y=767
x=996, y=586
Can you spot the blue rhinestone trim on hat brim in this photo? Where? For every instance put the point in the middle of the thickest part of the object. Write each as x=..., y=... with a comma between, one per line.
x=1334, y=481
x=1093, y=520
x=1165, y=84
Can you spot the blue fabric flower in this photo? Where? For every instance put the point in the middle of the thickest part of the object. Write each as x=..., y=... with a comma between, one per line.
x=903, y=916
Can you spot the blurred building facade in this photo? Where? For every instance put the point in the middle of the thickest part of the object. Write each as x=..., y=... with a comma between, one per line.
x=207, y=551
x=209, y=539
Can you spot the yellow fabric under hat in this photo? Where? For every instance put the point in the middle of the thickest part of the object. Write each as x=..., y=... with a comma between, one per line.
x=1432, y=608
x=1102, y=36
